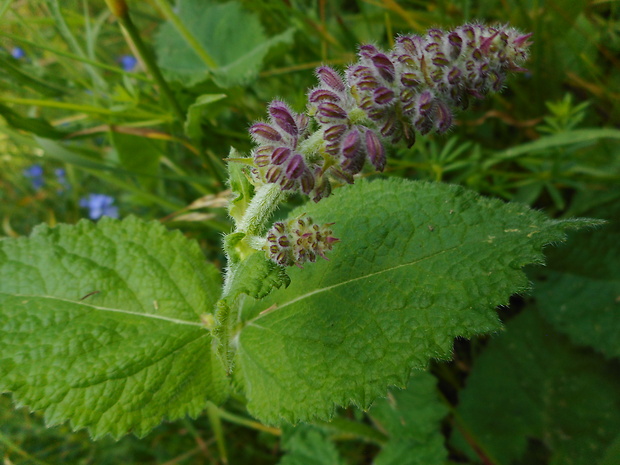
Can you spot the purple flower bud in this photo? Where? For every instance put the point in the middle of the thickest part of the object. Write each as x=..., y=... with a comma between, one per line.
x=521, y=41
x=454, y=75
x=410, y=80
x=280, y=155
x=440, y=59
x=265, y=131
x=330, y=78
x=432, y=47
x=262, y=155
x=375, y=150
x=307, y=182
x=443, y=116
x=273, y=174
x=485, y=44
x=384, y=66
x=435, y=34
x=383, y=95
x=323, y=95
x=282, y=116
x=331, y=110
x=425, y=102
x=390, y=126
x=333, y=133
x=295, y=167
x=368, y=50
x=408, y=44
x=351, y=144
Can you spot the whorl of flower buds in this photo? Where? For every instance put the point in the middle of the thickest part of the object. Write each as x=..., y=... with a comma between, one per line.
x=298, y=241
x=347, y=141
x=414, y=87
x=385, y=97
x=277, y=156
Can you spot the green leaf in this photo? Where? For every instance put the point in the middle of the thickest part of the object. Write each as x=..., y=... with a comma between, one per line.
x=579, y=290
x=577, y=136
x=233, y=37
x=37, y=126
x=139, y=155
x=195, y=112
x=257, y=276
x=417, y=265
x=100, y=324
x=308, y=445
x=412, y=420
x=531, y=383
x=240, y=185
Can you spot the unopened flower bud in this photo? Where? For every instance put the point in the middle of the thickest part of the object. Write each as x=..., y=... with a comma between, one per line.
x=298, y=241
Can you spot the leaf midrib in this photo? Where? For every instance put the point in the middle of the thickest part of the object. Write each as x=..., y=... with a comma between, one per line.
x=113, y=310
x=252, y=322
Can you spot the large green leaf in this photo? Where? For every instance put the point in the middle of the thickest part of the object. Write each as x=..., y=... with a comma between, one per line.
x=101, y=324
x=579, y=291
x=531, y=384
x=411, y=418
x=233, y=37
x=418, y=264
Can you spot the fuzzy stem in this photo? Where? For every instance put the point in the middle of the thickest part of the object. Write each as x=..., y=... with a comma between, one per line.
x=262, y=206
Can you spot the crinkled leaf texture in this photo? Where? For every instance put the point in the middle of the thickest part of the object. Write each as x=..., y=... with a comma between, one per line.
x=100, y=324
x=417, y=265
x=531, y=384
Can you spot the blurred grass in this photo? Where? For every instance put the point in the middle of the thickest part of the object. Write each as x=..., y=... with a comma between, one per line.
x=548, y=139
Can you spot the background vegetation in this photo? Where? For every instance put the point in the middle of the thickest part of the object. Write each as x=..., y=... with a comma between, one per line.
x=103, y=120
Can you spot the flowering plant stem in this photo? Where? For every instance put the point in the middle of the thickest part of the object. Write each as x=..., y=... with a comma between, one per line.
x=122, y=14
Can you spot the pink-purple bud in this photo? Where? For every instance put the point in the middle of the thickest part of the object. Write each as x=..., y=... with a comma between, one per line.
x=281, y=115
x=330, y=78
x=298, y=241
x=265, y=131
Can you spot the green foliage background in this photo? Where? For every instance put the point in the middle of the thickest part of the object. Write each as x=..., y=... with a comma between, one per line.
x=549, y=141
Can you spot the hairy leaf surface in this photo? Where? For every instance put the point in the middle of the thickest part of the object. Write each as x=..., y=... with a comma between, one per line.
x=531, y=383
x=100, y=324
x=417, y=265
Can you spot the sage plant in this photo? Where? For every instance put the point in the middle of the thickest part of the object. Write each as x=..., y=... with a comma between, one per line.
x=118, y=324
x=386, y=97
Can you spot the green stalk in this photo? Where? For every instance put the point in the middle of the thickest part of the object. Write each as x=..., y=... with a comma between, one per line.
x=232, y=418
x=66, y=33
x=120, y=10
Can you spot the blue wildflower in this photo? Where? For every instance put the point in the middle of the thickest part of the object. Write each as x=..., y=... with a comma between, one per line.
x=99, y=205
x=35, y=174
x=18, y=53
x=128, y=62
x=61, y=177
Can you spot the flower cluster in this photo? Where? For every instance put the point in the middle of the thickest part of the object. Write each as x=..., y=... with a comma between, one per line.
x=383, y=98
x=278, y=155
x=35, y=174
x=99, y=205
x=298, y=241
x=415, y=86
